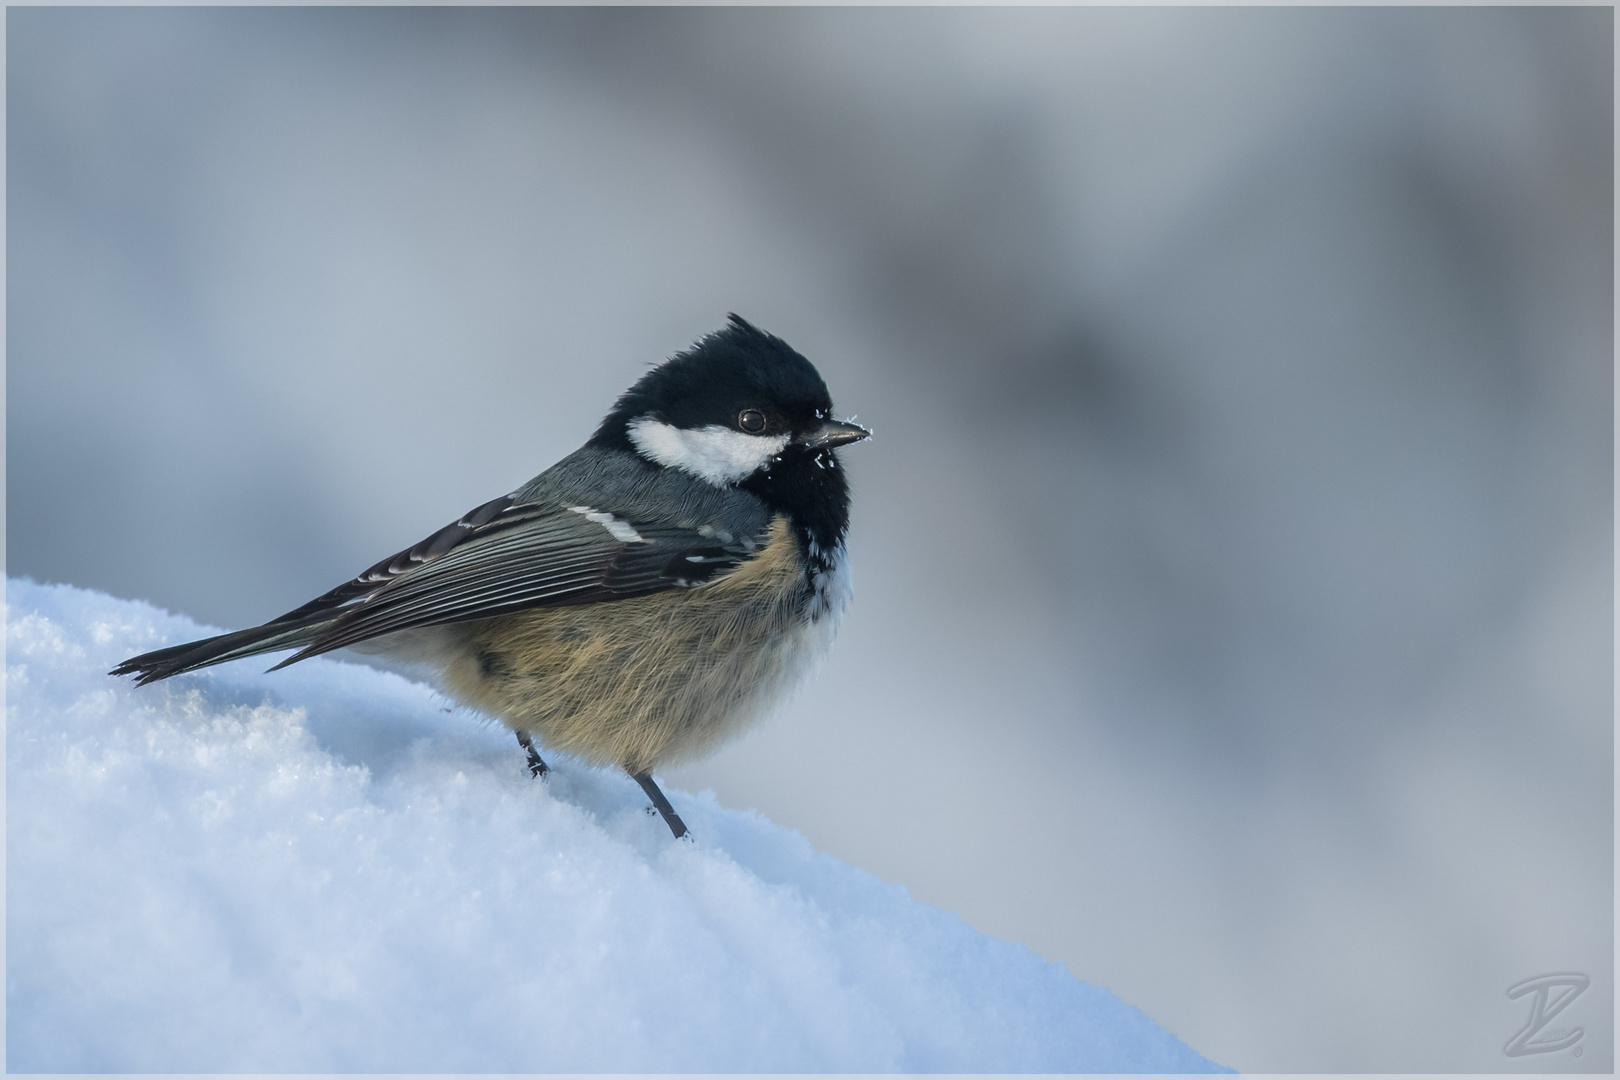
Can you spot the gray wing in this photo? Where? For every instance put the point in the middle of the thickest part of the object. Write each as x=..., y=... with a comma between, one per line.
x=598, y=526
x=533, y=556
x=547, y=543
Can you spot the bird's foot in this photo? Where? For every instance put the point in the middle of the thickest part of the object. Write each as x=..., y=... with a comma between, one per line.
x=671, y=818
x=537, y=766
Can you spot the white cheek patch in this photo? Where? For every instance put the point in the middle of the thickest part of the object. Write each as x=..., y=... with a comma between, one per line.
x=713, y=453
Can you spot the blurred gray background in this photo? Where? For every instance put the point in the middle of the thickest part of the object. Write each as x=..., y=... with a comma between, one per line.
x=1233, y=560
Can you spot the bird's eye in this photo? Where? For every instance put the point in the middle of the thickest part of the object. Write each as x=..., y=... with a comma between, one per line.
x=751, y=421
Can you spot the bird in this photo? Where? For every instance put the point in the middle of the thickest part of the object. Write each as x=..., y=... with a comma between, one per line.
x=641, y=601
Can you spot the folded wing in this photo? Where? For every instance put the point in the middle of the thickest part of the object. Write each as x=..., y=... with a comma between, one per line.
x=501, y=557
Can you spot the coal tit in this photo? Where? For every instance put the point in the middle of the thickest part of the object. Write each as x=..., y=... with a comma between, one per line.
x=640, y=601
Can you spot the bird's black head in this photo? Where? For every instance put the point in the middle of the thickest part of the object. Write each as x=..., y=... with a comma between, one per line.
x=738, y=379
x=742, y=408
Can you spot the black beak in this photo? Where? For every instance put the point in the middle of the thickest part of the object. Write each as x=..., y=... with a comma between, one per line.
x=834, y=433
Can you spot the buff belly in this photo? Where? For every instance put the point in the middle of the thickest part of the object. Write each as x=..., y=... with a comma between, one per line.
x=648, y=681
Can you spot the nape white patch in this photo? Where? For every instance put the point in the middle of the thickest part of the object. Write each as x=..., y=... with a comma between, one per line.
x=713, y=453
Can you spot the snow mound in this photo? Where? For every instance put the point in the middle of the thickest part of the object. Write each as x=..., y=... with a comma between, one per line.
x=326, y=870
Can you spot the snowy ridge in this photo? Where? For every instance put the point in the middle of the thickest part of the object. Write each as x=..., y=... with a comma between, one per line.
x=324, y=870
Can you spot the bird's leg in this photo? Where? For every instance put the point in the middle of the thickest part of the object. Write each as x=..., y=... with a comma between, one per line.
x=537, y=767
x=671, y=818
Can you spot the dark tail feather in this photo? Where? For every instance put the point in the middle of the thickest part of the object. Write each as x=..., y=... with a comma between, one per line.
x=271, y=637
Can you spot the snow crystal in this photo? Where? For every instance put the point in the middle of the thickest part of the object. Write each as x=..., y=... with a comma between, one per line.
x=327, y=870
